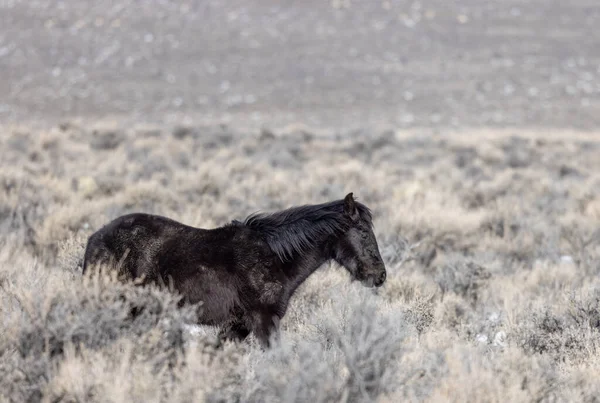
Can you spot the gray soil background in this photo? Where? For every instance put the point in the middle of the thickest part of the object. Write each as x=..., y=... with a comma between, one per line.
x=326, y=64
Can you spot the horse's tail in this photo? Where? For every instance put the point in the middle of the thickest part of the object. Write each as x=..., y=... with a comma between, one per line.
x=96, y=253
x=86, y=257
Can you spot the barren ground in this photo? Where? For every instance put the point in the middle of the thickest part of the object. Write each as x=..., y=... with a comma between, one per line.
x=324, y=63
x=469, y=128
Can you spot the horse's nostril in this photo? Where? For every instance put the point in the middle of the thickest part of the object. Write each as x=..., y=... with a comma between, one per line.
x=381, y=279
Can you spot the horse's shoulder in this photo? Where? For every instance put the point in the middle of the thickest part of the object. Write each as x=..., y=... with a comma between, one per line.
x=250, y=241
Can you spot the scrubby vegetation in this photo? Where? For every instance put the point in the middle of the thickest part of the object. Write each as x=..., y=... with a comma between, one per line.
x=492, y=244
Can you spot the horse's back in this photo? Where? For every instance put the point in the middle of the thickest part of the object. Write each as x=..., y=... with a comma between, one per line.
x=132, y=235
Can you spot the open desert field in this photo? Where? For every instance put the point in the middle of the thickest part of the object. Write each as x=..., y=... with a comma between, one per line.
x=469, y=128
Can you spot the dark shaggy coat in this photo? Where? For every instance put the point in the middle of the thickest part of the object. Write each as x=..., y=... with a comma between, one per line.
x=243, y=273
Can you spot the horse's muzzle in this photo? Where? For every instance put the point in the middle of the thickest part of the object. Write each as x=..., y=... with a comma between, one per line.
x=380, y=279
x=374, y=280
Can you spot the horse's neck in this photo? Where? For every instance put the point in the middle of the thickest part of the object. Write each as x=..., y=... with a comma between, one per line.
x=303, y=266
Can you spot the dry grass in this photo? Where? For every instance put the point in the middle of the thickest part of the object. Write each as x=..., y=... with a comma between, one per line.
x=492, y=245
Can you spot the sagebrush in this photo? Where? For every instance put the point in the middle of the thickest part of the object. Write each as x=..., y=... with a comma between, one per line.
x=491, y=245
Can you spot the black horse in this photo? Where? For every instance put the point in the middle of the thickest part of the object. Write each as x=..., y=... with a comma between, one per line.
x=244, y=273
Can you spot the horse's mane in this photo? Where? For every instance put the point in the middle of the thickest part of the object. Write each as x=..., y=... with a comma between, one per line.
x=297, y=229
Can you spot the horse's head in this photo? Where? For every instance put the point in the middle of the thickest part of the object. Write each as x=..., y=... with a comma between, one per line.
x=357, y=248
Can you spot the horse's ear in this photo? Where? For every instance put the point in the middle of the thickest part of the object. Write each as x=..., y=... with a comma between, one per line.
x=350, y=206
